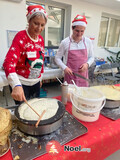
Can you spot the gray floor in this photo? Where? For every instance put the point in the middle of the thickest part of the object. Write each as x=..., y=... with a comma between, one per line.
x=53, y=89
x=5, y=96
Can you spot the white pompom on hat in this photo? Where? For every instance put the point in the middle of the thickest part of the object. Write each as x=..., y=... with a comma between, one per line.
x=79, y=20
x=32, y=9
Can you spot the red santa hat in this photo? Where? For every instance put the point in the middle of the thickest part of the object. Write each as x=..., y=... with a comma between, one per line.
x=34, y=9
x=80, y=21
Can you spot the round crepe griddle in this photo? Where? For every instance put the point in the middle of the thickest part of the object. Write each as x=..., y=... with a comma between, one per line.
x=112, y=103
x=56, y=117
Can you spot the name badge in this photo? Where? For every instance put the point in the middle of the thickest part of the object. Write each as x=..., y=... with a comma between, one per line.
x=31, y=54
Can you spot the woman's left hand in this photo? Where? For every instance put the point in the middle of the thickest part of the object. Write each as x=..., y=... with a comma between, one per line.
x=83, y=68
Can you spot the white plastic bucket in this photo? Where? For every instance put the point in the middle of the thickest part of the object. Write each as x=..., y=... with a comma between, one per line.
x=71, y=88
x=87, y=109
x=87, y=117
x=92, y=101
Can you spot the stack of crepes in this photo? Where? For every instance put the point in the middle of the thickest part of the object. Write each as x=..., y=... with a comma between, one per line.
x=5, y=125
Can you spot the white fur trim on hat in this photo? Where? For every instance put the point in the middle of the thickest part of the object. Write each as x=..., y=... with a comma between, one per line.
x=35, y=10
x=79, y=23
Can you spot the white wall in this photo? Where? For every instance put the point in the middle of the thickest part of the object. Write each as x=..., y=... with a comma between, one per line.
x=12, y=17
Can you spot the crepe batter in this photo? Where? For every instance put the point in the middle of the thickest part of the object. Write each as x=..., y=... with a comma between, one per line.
x=50, y=105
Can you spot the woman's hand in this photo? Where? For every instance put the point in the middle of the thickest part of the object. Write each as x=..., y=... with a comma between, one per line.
x=68, y=71
x=83, y=68
x=18, y=93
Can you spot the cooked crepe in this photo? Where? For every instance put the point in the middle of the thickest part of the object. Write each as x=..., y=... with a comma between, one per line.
x=110, y=91
x=87, y=92
x=5, y=117
x=4, y=135
x=39, y=105
x=5, y=125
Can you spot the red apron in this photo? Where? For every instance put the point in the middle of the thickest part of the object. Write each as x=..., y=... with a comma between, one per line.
x=75, y=59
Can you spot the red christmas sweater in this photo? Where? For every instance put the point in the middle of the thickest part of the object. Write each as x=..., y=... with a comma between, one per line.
x=24, y=57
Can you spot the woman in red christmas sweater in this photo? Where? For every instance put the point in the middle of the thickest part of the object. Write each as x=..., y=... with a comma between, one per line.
x=23, y=64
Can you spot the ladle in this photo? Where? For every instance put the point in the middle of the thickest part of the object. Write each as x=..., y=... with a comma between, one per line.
x=59, y=80
x=77, y=88
x=74, y=84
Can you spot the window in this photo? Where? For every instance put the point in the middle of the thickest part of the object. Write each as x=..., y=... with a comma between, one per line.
x=103, y=31
x=55, y=25
x=114, y=33
x=109, y=35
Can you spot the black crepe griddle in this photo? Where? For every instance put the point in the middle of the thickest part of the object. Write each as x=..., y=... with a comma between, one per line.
x=56, y=117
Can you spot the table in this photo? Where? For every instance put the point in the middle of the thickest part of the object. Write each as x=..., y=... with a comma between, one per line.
x=3, y=80
x=49, y=73
x=105, y=71
x=103, y=138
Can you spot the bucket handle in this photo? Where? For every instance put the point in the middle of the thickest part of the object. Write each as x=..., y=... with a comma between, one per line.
x=104, y=101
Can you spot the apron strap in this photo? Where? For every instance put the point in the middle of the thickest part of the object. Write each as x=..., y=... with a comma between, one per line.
x=84, y=43
x=69, y=44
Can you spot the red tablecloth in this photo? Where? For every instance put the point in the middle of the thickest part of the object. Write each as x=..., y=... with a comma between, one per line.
x=103, y=138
